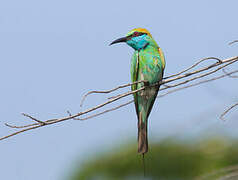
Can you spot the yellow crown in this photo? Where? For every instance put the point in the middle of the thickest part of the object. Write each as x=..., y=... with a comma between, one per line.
x=139, y=30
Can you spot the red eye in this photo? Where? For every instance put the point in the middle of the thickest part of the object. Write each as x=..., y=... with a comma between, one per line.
x=135, y=34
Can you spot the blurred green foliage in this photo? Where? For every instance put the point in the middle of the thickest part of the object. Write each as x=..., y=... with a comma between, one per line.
x=166, y=160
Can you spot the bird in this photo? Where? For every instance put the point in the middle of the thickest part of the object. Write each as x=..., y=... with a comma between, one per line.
x=147, y=66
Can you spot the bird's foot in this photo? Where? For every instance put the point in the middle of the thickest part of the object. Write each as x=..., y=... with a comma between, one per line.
x=146, y=83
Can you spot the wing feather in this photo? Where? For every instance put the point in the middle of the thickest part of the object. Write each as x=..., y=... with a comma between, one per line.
x=134, y=76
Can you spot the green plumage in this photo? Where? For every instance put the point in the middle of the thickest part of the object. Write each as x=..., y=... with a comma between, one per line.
x=147, y=64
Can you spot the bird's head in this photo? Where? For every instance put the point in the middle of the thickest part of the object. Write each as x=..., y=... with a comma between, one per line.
x=137, y=38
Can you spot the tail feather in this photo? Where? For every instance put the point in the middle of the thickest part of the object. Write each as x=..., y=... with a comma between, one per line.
x=142, y=135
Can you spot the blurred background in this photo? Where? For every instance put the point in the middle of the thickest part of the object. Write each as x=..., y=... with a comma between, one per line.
x=52, y=52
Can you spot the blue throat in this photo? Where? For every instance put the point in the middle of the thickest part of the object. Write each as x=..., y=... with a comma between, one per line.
x=139, y=42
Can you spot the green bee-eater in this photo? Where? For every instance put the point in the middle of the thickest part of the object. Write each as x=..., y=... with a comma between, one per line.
x=147, y=64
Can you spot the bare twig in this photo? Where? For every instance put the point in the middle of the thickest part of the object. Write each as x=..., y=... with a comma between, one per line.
x=21, y=131
x=106, y=111
x=29, y=125
x=231, y=76
x=166, y=82
x=187, y=75
x=161, y=95
x=194, y=78
x=108, y=91
x=129, y=84
x=230, y=108
x=194, y=65
x=53, y=121
x=195, y=84
x=233, y=42
x=34, y=119
x=229, y=60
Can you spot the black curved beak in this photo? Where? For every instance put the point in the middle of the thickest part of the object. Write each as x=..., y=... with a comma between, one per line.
x=123, y=39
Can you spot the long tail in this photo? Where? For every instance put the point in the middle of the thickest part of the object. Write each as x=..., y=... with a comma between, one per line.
x=142, y=135
x=143, y=161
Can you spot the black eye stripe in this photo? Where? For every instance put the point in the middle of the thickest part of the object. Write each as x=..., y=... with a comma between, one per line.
x=136, y=34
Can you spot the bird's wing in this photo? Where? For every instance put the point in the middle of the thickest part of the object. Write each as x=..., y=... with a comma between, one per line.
x=155, y=75
x=153, y=66
x=161, y=54
x=134, y=77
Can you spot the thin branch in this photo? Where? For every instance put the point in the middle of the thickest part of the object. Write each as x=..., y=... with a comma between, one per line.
x=53, y=121
x=106, y=111
x=159, y=96
x=230, y=108
x=29, y=125
x=232, y=60
x=20, y=127
x=129, y=84
x=233, y=42
x=21, y=131
x=220, y=64
x=193, y=66
x=231, y=76
x=196, y=77
x=34, y=119
x=198, y=83
x=187, y=75
x=108, y=91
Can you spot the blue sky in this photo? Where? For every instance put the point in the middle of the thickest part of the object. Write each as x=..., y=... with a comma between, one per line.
x=52, y=52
